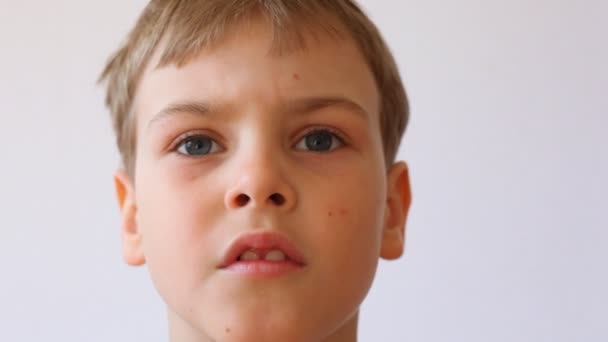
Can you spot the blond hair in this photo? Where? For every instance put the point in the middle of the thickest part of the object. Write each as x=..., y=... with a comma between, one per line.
x=188, y=26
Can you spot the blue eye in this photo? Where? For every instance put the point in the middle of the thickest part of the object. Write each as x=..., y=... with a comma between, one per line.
x=199, y=145
x=321, y=140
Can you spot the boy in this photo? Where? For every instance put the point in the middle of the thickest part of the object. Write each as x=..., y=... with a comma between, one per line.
x=258, y=140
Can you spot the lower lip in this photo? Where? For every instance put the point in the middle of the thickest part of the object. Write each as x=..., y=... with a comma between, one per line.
x=264, y=269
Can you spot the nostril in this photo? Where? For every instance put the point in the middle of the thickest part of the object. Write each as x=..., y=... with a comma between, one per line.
x=277, y=199
x=242, y=200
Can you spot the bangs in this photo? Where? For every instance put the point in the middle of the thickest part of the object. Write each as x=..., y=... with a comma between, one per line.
x=198, y=25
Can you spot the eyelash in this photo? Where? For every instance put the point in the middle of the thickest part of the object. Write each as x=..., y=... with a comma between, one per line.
x=334, y=132
x=185, y=137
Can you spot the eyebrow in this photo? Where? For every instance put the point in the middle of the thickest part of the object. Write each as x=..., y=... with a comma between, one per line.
x=299, y=106
x=187, y=107
x=313, y=104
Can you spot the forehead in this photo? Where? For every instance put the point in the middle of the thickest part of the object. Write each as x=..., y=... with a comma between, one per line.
x=245, y=68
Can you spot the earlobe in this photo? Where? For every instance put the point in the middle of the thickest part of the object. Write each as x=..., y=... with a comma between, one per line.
x=130, y=232
x=399, y=199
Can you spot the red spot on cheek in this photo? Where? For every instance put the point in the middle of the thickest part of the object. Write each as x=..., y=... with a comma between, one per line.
x=296, y=77
x=341, y=212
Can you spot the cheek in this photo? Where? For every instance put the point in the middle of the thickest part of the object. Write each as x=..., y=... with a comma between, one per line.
x=176, y=223
x=354, y=233
x=348, y=251
x=356, y=202
x=177, y=211
x=352, y=225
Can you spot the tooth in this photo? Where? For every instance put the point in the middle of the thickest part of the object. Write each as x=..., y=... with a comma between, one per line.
x=249, y=256
x=275, y=255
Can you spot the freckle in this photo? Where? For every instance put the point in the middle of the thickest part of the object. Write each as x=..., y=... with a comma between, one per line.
x=296, y=77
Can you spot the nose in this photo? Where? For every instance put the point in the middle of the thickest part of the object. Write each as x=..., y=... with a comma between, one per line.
x=261, y=185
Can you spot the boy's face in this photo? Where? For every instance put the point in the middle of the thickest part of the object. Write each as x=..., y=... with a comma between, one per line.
x=285, y=144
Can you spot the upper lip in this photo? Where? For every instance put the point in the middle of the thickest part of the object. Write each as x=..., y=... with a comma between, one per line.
x=267, y=240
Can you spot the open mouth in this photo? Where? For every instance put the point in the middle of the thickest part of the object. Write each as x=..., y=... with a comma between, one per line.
x=274, y=255
x=266, y=253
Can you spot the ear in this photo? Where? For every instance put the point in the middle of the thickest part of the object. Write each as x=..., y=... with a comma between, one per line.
x=398, y=200
x=130, y=233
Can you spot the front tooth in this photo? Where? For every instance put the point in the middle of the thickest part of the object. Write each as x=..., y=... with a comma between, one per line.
x=249, y=256
x=275, y=255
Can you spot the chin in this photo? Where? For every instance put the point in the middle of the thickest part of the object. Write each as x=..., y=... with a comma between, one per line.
x=263, y=325
x=251, y=333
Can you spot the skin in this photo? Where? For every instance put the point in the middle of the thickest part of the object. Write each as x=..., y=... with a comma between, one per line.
x=342, y=208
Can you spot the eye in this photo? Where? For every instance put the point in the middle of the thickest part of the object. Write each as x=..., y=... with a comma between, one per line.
x=320, y=140
x=197, y=145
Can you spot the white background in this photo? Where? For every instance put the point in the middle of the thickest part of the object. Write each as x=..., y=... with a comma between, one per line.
x=508, y=148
